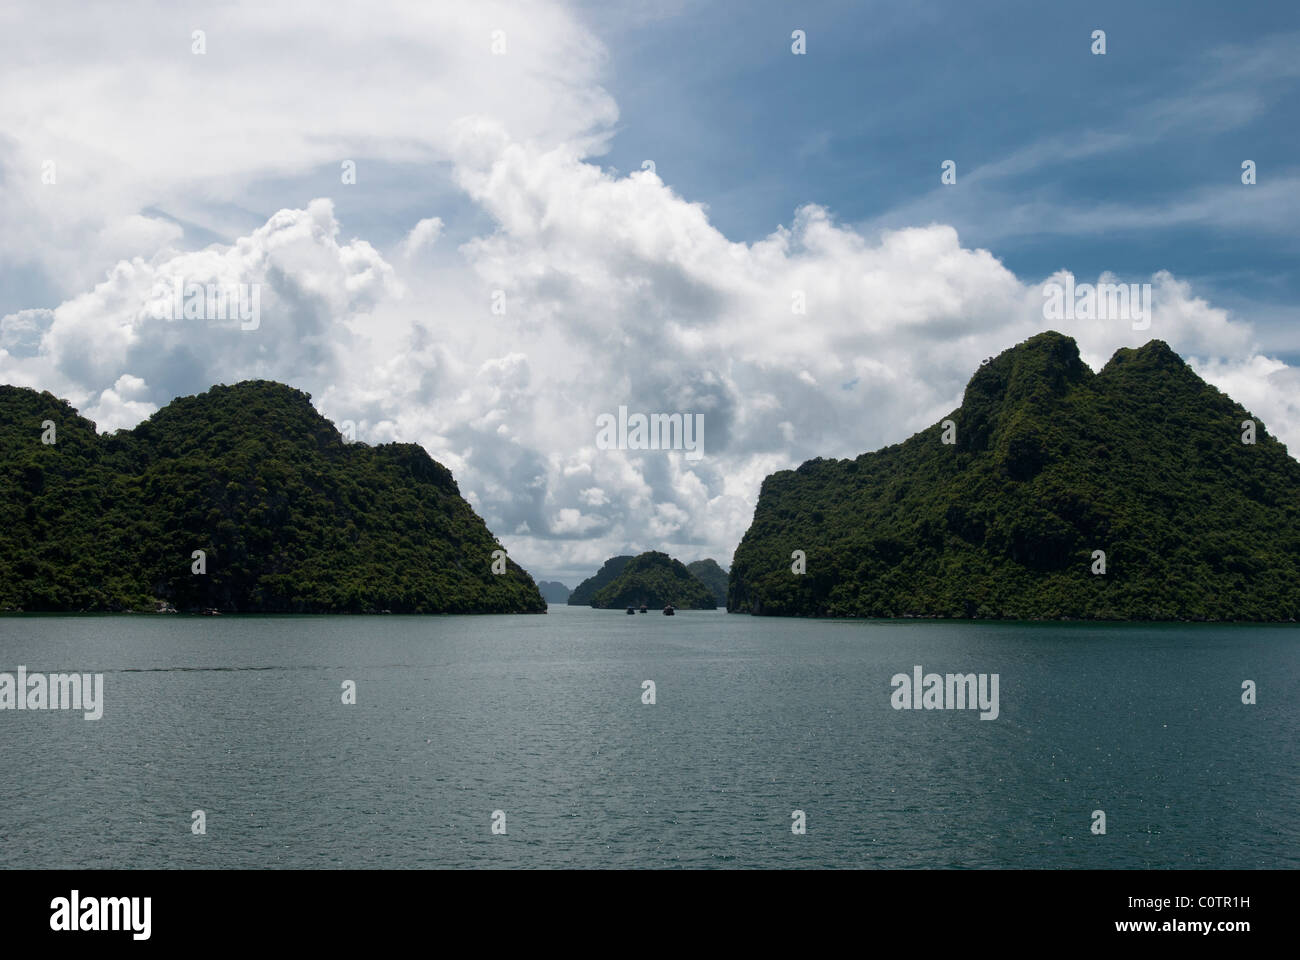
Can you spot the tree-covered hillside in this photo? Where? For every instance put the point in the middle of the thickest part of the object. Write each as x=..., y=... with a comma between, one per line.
x=290, y=517
x=712, y=576
x=657, y=580
x=583, y=592
x=1143, y=461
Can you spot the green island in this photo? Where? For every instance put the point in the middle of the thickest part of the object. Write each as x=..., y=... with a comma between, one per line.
x=1138, y=492
x=583, y=592
x=1051, y=466
x=712, y=576
x=654, y=579
x=289, y=517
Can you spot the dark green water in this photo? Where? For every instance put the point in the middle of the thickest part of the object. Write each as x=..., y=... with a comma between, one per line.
x=541, y=717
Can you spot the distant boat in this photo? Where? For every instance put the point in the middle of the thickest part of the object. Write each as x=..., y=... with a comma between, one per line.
x=631, y=611
x=644, y=609
x=669, y=611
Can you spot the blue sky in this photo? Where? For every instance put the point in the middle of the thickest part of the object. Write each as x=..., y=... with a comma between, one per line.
x=1184, y=93
x=1048, y=138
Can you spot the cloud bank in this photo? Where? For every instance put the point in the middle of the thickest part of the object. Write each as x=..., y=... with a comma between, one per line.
x=580, y=290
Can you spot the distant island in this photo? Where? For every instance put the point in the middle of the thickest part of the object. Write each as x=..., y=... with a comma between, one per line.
x=241, y=499
x=1135, y=493
x=655, y=580
x=712, y=576
x=553, y=591
x=652, y=578
x=585, y=591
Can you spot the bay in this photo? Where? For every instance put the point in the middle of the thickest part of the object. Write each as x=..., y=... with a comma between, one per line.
x=541, y=718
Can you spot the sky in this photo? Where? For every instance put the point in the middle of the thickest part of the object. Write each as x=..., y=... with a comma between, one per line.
x=564, y=208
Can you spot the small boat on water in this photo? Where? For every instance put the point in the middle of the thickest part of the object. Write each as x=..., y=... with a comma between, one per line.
x=631, y=611
x=644, y=609
x=669, y=611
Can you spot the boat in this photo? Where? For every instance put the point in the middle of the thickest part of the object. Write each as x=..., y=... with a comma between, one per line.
x=644, y=609
x=669, y=611
x=631, y=611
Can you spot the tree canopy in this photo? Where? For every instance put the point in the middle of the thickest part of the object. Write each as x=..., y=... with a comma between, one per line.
x=655, y=579
x=1142, y=461
x=289, y=516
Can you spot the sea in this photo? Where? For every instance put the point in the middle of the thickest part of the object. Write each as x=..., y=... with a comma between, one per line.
x=593, y=739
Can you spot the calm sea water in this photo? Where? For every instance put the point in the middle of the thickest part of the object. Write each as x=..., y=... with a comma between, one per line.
x=542, y=718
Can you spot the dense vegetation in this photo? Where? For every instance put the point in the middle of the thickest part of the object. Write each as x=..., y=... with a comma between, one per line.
x=292, y=518
x=657, y=580
x=712, y=576
x=553, y=591
x=583, y=592
x=1142, y=460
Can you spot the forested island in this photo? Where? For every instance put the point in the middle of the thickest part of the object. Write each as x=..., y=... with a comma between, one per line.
x=553, y=591
x=241, y=499
x=656, y=580
x=583, y=592
x=1138, y=492
x=712, y=576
